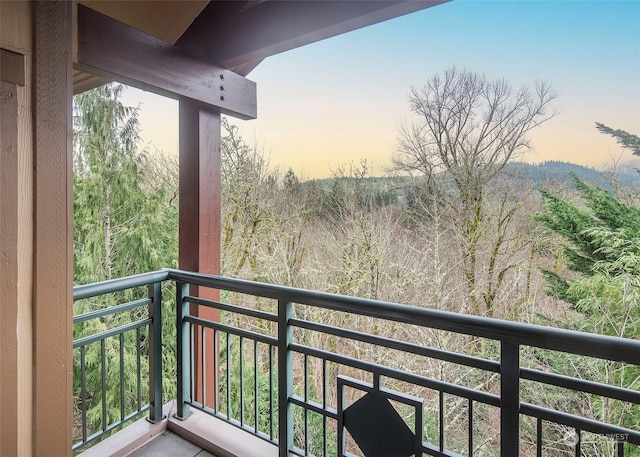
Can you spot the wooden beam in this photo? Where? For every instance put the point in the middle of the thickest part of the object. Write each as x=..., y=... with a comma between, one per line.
x=200, y=220
x=53, y=244
x=114, y=50
x=234, y=36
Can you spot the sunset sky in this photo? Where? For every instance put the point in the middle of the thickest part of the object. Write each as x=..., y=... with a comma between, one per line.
x=342, y=99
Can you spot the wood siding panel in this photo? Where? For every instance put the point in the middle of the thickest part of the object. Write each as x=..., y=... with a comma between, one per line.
x=8, y=268
x=15, y=33
x=52, y=288
x=16, y=36
x=25, y=266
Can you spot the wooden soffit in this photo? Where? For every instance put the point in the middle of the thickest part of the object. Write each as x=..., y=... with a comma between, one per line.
x=166, y=20
x=238, y=34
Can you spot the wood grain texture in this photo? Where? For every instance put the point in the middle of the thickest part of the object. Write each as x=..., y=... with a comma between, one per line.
x=164, y=19
x=16, y=35
x=52, y=282
x=235, y=34
x=200, y=215
x=114, y=50
x=25, y=266
x=8, y=269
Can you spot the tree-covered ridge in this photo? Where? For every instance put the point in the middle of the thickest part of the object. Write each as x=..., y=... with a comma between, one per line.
x=541, y=175
x=538, y=175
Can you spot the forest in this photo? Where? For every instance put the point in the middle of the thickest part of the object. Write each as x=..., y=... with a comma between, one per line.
x=553, y=244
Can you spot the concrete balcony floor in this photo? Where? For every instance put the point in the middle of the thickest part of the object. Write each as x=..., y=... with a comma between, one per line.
x=199, y=435
x=169, y=444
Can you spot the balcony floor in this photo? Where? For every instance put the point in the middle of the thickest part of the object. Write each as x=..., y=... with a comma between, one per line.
x=199, y=435
x=169, y=444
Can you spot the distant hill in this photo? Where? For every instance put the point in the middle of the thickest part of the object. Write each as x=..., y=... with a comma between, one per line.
x=541, y=175
x=557, y=171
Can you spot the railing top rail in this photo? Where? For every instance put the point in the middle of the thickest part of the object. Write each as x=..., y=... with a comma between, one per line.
x=115, y=285
x=580, y=343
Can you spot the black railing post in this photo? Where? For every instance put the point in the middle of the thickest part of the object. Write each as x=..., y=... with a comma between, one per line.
x=155, y=353
x=509, y=399
x=285, y=378
x=183, y=352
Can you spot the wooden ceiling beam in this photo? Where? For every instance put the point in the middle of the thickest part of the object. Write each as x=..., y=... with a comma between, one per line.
x=116, y=51
x=240, y=34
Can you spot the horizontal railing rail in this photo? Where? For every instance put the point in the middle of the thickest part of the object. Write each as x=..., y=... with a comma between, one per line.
x=579, y=343
x=118, y=285
x=279, y=357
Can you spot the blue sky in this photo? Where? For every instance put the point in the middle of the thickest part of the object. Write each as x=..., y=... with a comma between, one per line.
x=342, y=99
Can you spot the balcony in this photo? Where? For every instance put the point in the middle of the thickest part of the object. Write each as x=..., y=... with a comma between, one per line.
x=284, y=372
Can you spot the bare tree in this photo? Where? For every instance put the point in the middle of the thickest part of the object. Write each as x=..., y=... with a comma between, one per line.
x=468, y=129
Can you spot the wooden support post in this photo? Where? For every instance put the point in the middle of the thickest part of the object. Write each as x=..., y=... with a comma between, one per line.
x=53, y=209
x=200, y=220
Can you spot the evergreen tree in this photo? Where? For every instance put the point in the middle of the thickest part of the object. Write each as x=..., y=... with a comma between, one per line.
x=583, y=230
x=625, y=139
x=121, y=227
x=124, y=223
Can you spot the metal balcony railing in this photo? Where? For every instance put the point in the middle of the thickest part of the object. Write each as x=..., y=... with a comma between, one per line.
x=323, y=374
